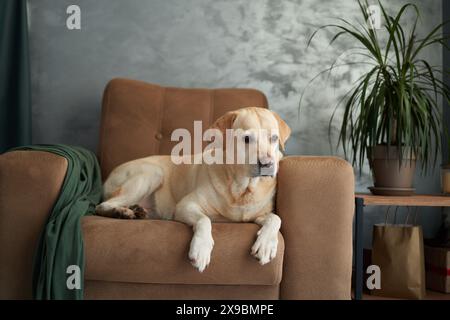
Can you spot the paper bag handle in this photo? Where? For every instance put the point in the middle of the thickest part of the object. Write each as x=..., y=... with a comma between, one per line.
x=415, y=215
x=407, y=215
x=387, y=214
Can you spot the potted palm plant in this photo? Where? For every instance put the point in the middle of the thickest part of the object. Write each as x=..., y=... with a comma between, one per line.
x=392, y=114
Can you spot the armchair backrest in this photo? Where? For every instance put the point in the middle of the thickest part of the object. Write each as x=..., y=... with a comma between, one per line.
x=138, y=118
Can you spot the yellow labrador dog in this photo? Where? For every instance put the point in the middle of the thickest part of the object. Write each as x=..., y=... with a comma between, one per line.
x=198, y=194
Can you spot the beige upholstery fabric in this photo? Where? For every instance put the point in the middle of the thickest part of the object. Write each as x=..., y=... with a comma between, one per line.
x=144, y=291
x=29, y=185
x=155, y=251
x=315, y=202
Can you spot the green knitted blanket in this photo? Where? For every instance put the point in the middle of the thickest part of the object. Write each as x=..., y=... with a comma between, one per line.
x=58, y=269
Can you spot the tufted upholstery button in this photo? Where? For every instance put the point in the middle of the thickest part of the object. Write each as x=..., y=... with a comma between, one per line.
x=158, y=136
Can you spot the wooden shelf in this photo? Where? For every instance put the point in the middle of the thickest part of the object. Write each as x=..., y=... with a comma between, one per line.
x=426, y=200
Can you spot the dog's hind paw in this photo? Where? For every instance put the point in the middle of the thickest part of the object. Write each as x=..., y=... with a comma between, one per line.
x=106, y=210
x=139, y=212
x=122, y=213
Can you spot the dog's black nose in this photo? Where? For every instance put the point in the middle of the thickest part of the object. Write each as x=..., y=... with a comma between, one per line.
x=268, y=164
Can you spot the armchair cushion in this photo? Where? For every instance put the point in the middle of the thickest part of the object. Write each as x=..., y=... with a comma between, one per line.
x=156, y=252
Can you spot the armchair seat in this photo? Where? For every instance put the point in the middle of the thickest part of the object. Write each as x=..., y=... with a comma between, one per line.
x=156, y=252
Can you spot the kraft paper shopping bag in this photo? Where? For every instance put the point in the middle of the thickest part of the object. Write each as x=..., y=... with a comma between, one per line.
x=398, y=251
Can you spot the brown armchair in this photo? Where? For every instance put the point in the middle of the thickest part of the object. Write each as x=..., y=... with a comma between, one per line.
x=147, y=259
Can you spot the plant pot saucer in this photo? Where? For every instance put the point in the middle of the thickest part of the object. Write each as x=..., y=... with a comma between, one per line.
x=392, y=191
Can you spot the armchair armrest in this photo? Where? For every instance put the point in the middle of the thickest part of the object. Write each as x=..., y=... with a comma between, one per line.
x=30, y=182
x=315, y=200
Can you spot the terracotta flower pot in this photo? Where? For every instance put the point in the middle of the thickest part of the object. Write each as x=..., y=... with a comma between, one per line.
x=389, y=176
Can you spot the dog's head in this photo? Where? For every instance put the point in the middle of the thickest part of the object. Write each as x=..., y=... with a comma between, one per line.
x=262, y=133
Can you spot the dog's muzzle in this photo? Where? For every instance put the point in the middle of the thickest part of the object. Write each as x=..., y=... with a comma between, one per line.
x=266, y=169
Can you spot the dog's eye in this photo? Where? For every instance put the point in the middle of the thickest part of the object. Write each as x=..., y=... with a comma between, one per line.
x=274, y=138
x=247, y=139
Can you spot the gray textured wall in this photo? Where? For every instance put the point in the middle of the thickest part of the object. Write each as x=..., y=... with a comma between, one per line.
x=199, y=43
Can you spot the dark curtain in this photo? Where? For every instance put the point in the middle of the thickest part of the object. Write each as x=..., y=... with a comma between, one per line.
x=15, y=96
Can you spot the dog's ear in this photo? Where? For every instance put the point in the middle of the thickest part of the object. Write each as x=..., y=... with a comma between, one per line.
x=284, y=129
x=225, y=122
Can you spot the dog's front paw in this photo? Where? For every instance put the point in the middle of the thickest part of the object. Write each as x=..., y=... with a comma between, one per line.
x=265, y=247
x=200, y=251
